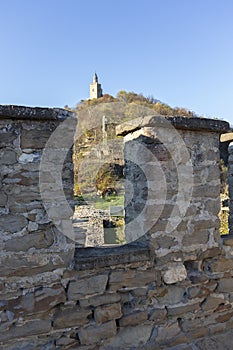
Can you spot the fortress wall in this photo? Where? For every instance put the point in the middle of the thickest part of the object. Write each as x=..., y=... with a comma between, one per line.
x=169, y=289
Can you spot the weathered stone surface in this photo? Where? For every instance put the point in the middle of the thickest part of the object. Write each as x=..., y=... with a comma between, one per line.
x=32, y=114
x=8, y=157
x=169, y=295
x=165, y=241
x=35, y=138
x=188, y=325
x=37, y=240
x=87, y=286
x=27, y=264
x=158, y=315
x=197, y=292
x=198, y=237
x=175, y=272
x=12, y=223
x=3, y=199
x=220, y=265
x=107, y=312
x=7, y=137
x=206, y=192
x=228, y=240
x=225, y=317
x=210, y=253
x=129, y=337
x=107, y=298
x=198, y=333
x=97, y=333
x=91, y=258
x=65, y=341
x=211, y=303
x=225, y=285
x=130, y=278
x=33, y=327
x=178, y=122
x=181, y=310
x=42, y=300
x=71, y=316
x=168, y=332
x=133, y=319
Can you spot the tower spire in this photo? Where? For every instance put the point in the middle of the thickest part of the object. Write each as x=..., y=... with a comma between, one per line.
x=95, y=78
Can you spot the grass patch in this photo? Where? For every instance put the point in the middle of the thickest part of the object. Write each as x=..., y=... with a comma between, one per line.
x=223, y=217
x=99, y=202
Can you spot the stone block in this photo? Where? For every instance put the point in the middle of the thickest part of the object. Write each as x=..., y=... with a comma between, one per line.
x=224, y=317
x=197, y=237
x=228, y=240
x=23, y=195
x=218, y=265
x=133, y=319
x=164, y=241
x=168, y=332
x=42, y=300
x=170, y=295
x=64, y=341
x=158, y=315
x=129, y=337
x=87, y=286
x=32, y=327
x=25, y=264
x=7, y=137
x=130, y=279
x=204, y=191
x=183, y=309
x=197, y=292
x=97, y=333
x=225, y=285
x=198, y=333
x=107, y=298
x=38, y=240
x=187, y=325
x=35, y=138
x=12, y=223
x=175, y=272
x=107, y=312
x=8, y=157
x=217, y=328
x=28, y=158
x=3, y=199
x=71, y=316
x=209, y=253
x=211, y=303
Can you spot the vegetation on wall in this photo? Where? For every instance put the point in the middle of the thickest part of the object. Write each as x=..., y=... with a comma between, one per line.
x=224, y=197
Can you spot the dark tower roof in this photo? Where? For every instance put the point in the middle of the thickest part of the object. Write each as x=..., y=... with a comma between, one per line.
x=95, y=78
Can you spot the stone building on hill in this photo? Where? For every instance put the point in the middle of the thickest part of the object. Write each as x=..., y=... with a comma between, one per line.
x=95, y=88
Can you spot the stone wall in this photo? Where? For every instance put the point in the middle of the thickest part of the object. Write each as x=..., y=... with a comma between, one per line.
x=167, y=290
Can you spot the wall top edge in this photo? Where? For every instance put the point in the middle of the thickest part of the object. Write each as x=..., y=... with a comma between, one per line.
x=33, y=113
x=185, y=123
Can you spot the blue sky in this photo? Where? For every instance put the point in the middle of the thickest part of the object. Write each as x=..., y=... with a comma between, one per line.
x=179, y=51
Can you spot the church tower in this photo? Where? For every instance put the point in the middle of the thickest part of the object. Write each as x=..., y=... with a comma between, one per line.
x=95, y=88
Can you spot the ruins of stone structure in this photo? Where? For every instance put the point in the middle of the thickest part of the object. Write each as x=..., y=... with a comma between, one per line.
x=170, y=289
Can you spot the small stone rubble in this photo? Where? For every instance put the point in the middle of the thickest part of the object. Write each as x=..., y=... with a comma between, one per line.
x=88, y=226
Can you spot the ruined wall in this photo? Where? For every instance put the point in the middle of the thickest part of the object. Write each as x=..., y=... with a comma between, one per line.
x=171, y=287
